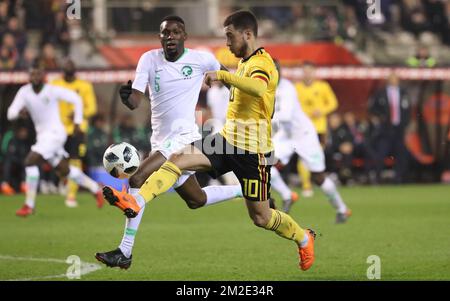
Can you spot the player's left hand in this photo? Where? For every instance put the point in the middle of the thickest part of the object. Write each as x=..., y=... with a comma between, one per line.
x=210, y=77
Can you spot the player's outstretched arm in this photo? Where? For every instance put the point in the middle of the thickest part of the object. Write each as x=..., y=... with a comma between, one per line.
x=17, y=105
x=250, y=85
x=69, y=96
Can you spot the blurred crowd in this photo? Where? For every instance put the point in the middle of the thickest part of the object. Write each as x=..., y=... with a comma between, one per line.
x=332, y=21
x=31, y=29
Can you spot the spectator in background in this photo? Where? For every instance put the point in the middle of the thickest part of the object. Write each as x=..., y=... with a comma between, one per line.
x=317, y=100
x=339, y=148
x=413, y=17
x=57, y=32
x=26, y=60
x=48, y=57
x=391, y=106
x=15, y=146
x=362, y=147
x=435, y=11
x=8, y=52
x=19, y=35
x=422, y=58
x=3, y=15
x=97, y=141
x=7, y=59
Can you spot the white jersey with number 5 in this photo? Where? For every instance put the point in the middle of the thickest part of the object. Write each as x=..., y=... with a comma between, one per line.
x=174, y=88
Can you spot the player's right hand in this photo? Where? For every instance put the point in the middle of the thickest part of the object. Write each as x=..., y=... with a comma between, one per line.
x=125, y=92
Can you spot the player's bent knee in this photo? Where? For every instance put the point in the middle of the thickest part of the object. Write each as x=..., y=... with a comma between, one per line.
x=260, y=221
x=194, y=205
x=318, y=178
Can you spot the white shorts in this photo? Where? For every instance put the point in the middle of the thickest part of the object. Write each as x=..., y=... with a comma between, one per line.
x=173, y=144
x=306, y=146
x=50, y=146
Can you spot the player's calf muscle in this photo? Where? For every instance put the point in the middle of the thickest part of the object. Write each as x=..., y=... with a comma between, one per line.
x=137, y=180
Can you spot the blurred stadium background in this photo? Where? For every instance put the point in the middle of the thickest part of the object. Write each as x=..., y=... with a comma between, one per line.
x=353, y=53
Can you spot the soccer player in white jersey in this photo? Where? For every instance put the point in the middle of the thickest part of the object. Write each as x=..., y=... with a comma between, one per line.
x=41, y=101
x=217, y=98
x=174, y=76
x=296, y=134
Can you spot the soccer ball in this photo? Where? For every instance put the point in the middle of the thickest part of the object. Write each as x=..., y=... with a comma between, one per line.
x=121, y=160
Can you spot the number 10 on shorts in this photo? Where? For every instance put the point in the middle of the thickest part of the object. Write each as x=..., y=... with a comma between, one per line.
x=251, y=187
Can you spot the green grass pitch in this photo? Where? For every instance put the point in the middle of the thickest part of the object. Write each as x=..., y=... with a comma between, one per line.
x=408, y=227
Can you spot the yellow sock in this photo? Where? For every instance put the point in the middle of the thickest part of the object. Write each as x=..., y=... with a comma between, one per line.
x=285, y=226
x=160, y=181
x=305, y=175
x=72, y=186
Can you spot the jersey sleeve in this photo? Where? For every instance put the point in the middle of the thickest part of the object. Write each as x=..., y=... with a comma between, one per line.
x=17, y=105
x=210, y=62
x=260, y=68
x=66, y=95
x=141, y=80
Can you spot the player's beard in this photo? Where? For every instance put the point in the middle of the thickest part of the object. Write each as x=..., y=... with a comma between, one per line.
x=175, y=52
x=241, y=52
x=69, y=75
x=37, y=86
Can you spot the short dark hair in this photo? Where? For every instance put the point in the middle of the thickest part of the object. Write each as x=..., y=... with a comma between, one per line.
x=241, y=20
x=173, y=18
x=37, y=64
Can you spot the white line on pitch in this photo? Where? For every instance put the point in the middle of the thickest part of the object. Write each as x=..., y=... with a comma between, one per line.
x=85, y=268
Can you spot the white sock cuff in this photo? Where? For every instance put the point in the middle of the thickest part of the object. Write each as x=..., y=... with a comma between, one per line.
x=74, y=172
x=32, y=171
x=133, y=191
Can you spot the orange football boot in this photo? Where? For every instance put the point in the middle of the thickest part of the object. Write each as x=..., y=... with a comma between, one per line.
x=122, y=200
x=307, y=253
x=7, y=189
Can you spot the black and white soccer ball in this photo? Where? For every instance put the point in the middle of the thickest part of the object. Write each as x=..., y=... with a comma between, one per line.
x=121, y=160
